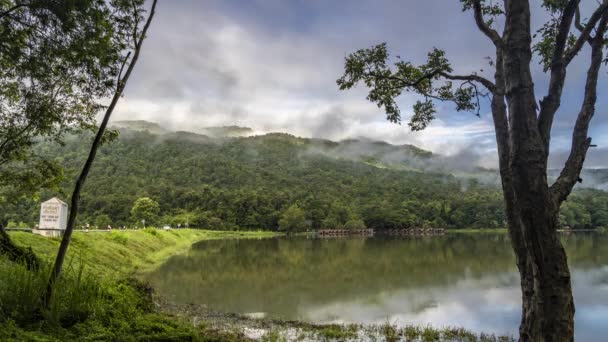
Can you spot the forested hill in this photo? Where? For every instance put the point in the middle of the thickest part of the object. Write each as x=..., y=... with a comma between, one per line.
x=274, y=180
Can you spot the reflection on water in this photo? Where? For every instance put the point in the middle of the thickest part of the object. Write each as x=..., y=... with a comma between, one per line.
x=455, y=280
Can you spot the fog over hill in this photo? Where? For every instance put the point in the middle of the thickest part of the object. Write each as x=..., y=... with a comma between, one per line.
x=466, y=164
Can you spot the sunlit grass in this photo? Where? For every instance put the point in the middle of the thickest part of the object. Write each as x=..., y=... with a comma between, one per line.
x=121, y=252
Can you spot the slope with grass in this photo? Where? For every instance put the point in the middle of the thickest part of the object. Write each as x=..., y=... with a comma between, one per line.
x=119, y=253
x=97, y=298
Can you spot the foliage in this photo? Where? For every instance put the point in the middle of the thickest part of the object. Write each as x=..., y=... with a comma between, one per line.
x=355, y=224
x=103, y=221
x=16, y=253
x=293, y=220
x=93, y=299
x=83, y=308
x=57, y=58
x=370, y=67
x=247, y=183
x=123, y=252
x=145, y=210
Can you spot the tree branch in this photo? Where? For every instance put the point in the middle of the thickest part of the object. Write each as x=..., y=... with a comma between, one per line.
x=483, y=26
x=577, y=20
x=580, y=142
x=472, y=78
x=551, y=102
x=586, y=31
x=12, y=9
x=122, y=67
x=13, y=137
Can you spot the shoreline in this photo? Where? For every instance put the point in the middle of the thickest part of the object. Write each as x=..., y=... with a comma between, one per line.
x=254, y=327
x=144, y=250
x=127, y=252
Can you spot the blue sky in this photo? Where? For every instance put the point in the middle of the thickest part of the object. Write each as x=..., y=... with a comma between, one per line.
x=272, y=65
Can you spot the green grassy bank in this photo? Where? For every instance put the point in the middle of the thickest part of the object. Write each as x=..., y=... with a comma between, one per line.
x=120, y=253
x=97, y=299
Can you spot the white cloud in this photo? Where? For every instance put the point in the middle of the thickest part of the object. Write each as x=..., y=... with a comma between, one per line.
x=272, y=66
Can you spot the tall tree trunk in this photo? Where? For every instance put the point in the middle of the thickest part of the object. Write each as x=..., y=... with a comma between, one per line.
x=548, y=308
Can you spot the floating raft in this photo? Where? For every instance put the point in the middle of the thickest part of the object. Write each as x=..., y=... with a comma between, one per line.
x=413, y=232
x=345, y=232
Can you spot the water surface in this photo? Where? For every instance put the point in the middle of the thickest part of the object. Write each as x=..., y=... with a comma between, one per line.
x=467, y=280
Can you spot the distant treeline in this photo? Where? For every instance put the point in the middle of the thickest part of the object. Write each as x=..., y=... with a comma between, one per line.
x=275, y=181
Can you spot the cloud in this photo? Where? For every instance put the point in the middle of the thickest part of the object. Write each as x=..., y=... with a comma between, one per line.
x=272, y=65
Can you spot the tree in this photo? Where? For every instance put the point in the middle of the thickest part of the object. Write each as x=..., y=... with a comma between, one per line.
x=330, y=223
x=354, y=224
x=129, y=23
x=523, y=131
x=103, y=221
x=293, y=220
x=147, y=209
x=574, y=215
x=58, y=59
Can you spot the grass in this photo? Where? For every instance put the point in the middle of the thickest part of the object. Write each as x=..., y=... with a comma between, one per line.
x=119, y=253
x=384, y=332
x=96, y=298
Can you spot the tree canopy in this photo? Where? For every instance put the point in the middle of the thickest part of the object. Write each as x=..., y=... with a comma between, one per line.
x=247, y=183
x=58, y=60
x=145, y=210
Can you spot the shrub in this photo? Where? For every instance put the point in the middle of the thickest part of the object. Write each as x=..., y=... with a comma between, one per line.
x=151, y=231
x=354, y=224
x=74, y=300
x=119, y=238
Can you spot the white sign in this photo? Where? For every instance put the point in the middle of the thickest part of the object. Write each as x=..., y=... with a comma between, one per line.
x=53, y=214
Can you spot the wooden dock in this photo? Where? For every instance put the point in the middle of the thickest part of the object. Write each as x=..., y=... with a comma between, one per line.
x=413, y=232
x=345, y=232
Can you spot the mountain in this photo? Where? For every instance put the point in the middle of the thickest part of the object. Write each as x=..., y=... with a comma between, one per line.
x=225, y=131
x=154, y=128
x=138, y=125
x=251, y=182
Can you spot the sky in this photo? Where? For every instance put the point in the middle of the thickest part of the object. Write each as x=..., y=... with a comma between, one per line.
x=272, y=65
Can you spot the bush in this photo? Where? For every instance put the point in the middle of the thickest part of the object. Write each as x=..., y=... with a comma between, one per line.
x=83, y=307
x=103, y=221
x=151, y=231
x=74, y=300
x=293, y=220
x=354, y=224
x=119, y=238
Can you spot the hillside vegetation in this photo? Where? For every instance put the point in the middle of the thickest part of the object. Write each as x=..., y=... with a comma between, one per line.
x=257, y=182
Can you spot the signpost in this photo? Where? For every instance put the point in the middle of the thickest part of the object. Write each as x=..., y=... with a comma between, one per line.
x=53, y=218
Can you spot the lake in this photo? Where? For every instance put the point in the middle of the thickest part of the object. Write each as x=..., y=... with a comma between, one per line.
x=467, y=280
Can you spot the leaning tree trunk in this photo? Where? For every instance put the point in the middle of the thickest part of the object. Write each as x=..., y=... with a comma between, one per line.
x=138, y=39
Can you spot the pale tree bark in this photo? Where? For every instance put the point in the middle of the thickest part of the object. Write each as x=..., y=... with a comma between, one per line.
x=138, y=39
